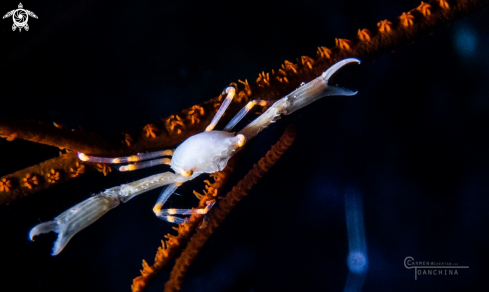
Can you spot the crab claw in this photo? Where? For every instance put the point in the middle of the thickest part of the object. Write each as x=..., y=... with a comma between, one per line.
x=328, y=73
x=318, y=88
x=75, y=219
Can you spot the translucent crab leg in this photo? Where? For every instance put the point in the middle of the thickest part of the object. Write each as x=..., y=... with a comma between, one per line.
x=165, y=194
x=240, y=115
x=230, y=94
x=169, y=214
x=201, y=211
x=85, y=213
x=145, y=164
x=299, y=98
x=125, y=159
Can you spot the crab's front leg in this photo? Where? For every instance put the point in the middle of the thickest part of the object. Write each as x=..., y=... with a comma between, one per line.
x=299, y=98
x=85, y=213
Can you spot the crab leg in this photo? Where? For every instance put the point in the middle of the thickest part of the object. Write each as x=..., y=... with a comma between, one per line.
x=145, y=164
x=125, y=159
x=299, y=98
x=85, y=213
x=240, y=115
x=230, y=91
x=201, y=211
x=169, y=214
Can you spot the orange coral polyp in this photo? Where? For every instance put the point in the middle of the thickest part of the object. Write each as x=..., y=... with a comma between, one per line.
x=443, y=4
x=424, y=8
x=289, y=66
x=384, y=26
x=79, y=170
x=104, y=168
x=5, y=185
x=150, y=130
x=343, y=44
x=127, y=139
x=364, y=35
x=406, y=19
x=194, y=113
x=173, y=122
x=324, y=52
x=30, y=180
x=53, y=176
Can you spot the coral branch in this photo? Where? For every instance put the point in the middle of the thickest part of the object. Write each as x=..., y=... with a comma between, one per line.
x=53, y=135
x=41, y=176
x=225, y=206
x=368, y=45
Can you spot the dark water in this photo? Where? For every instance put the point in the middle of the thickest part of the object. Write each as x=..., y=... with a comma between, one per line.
x=410, y=152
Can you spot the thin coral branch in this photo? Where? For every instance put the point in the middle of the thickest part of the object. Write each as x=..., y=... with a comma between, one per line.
x=41, y=176
x=225, y=206
x=173, y=245
x=368, y=45
x=48, y=134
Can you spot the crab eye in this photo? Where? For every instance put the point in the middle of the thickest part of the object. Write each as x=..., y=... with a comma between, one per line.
x=186, y=173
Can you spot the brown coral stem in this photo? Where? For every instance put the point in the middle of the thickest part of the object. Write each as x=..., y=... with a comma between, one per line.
x=225, y=206
x=48, y=134
x=65, y=166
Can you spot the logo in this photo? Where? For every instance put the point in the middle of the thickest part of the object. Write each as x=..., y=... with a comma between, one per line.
x=20, y=17
x=432, y=268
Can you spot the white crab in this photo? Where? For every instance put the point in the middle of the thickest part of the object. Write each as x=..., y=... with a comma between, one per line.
x=207, y=152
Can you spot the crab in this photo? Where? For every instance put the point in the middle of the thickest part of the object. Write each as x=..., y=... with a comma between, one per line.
x=206, y=152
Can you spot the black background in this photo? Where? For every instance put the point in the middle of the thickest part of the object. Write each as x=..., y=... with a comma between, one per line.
x=413, y=143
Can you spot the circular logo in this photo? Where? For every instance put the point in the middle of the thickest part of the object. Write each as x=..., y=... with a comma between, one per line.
x=20, y=17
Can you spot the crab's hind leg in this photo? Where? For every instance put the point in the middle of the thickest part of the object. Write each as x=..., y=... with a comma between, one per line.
x=169, y=214
x=85, y=213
